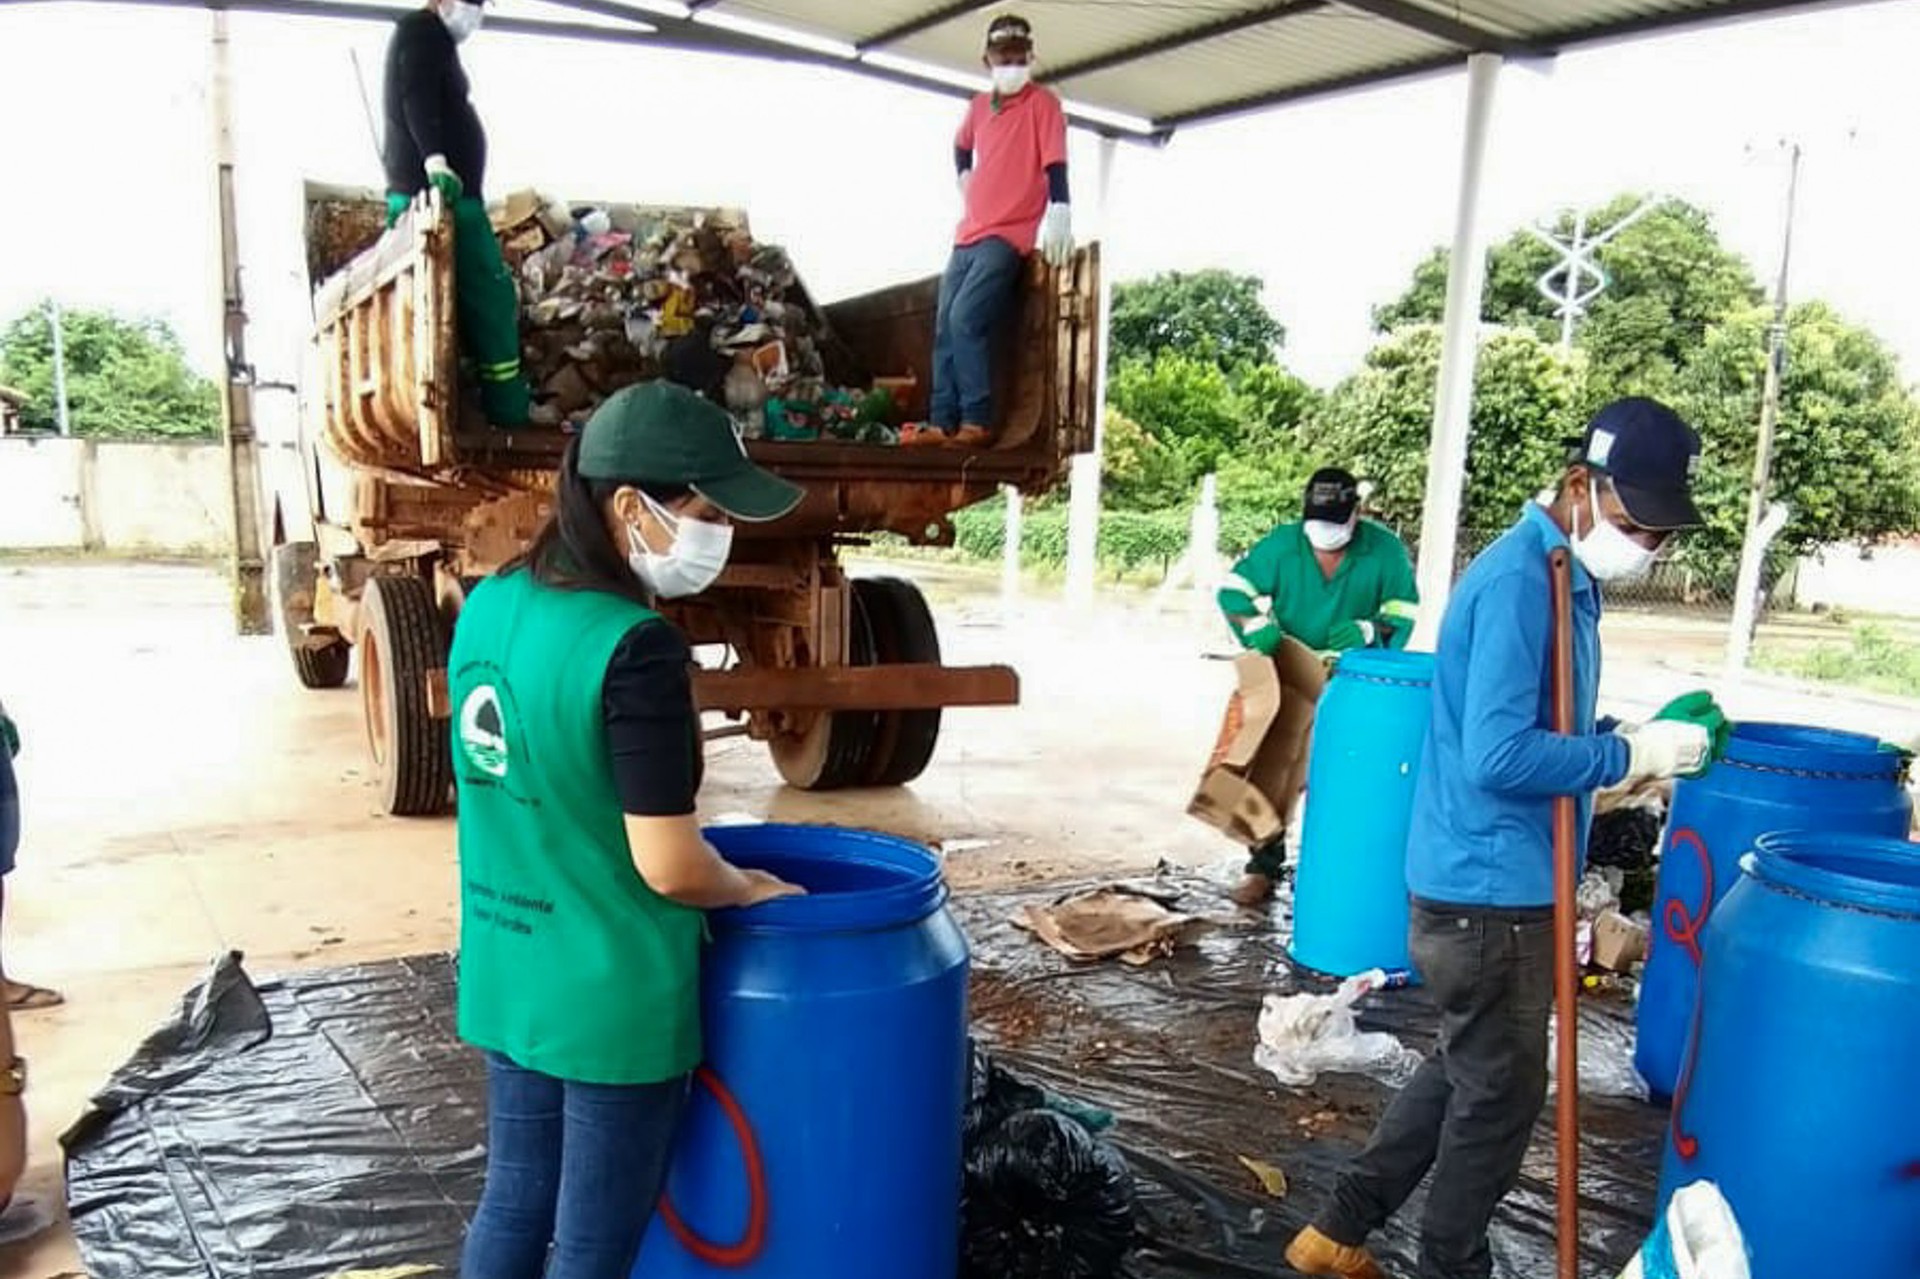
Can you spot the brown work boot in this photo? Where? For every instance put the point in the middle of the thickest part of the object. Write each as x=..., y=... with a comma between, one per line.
x=1312, y=1253
x=1255, y=890
x=973, y=437
x=923, y=435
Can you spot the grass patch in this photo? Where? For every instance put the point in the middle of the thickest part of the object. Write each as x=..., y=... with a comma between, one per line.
x=1874, y=657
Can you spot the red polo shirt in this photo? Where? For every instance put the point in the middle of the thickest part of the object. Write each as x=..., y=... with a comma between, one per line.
x=1013, y=146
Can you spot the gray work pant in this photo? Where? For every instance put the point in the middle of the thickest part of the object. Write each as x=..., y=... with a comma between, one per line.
x=1468, y=1114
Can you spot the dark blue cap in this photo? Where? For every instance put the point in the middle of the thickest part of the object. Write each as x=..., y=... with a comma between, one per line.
x=1651, y=456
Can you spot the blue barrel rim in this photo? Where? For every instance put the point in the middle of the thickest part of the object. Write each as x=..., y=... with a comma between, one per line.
x=1386, y=666
x=1806, y=750
x=921, y=890
x=1838, y=869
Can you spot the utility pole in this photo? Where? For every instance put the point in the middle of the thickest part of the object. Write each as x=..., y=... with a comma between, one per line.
x=58, y=325
x=1746, y=603
x=243, y=446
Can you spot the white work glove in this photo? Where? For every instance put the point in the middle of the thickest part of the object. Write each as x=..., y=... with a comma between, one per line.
x=444, y=179
x=1665, y=748
x=1056, y=235
x=961, y=181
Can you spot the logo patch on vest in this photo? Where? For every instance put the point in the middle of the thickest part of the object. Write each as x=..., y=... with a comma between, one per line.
x=483, y=731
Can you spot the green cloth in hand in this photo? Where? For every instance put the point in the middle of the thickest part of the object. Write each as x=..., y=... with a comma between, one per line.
x=448, y=185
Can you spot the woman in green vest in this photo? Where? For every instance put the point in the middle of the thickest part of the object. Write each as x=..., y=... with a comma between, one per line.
x=583, y=873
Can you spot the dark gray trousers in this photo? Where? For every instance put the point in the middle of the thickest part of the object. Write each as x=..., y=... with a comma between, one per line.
x=1468, y=1114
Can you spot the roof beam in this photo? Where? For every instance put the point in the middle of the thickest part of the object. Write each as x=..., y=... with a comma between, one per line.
x=925, y=22
x=1300, y=92
x=1414, y=17
x=1181, y=39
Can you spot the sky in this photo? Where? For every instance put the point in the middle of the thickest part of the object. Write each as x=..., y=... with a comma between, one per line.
x=105, y=180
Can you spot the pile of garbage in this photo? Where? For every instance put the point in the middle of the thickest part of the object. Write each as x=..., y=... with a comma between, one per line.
x=618, y=294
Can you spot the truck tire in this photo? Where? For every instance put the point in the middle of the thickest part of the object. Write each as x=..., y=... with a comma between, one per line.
x=903, y=632
x=296, y=567
x=832, y=754
x=402, y=642
x=323, y=667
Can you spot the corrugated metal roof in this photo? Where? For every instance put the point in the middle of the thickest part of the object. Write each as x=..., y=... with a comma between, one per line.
x=1158, y=64
x=1129, y=67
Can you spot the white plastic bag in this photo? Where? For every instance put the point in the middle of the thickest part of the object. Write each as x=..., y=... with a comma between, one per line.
x=1699, y=1239
x=1302, y=1036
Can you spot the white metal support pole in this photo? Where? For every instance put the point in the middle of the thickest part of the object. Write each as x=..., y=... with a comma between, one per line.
x=1753, y=554
x=243, y=446
x=1010, y=552
x=58, y=323
x=1083, y=510
x=1453, y=401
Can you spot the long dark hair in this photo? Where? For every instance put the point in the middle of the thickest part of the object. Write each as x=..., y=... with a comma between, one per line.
x=572, y=551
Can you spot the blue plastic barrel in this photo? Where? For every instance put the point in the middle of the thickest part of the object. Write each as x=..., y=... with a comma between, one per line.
x=1774, y=777
x=824, y=1133
x=1798, y=1096
x=1350, y=892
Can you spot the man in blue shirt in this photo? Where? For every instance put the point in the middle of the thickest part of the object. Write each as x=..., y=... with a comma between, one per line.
x=1480, y=853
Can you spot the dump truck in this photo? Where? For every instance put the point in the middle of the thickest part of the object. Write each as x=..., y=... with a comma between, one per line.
x=407, y=497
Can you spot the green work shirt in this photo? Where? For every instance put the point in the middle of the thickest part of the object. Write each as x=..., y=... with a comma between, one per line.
x=1374, y=583
x=570, y=964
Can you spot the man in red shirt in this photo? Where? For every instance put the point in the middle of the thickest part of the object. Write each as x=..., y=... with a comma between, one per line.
x=1011, y=153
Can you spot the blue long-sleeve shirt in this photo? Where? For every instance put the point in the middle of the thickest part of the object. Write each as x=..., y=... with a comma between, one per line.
x=1482, y=832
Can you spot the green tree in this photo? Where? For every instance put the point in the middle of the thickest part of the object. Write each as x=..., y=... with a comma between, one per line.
x=1184, y=402
x=1670, y=279
x=1138, y=472
x=1847, y=446
x=126, y=378
x=1213, y=316
x=1379, y=423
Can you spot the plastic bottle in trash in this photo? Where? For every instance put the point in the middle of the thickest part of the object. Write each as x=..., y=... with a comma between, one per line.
x=1385, y=979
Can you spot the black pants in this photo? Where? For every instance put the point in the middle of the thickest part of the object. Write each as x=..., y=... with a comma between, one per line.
x=1469, y=1113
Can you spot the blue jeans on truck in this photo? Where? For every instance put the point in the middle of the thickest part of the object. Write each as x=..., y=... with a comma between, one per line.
x=976, y=296
x=572, y=1167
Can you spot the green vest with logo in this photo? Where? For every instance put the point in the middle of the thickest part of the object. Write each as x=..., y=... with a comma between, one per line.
x=570, y=964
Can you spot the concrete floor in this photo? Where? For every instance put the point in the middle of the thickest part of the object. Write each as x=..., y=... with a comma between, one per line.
x=183, y=796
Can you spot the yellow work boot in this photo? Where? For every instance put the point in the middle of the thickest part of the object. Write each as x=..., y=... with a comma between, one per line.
x=1312, y=1253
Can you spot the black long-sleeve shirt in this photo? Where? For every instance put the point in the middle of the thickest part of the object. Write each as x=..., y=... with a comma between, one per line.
x=427, y=107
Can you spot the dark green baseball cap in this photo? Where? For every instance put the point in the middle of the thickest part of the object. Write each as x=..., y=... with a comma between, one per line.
x=663, y=433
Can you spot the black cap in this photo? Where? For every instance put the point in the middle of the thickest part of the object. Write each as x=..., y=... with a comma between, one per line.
x=1651, y=455
x=1009, y=28
x=662, y=433
x=1333, y=495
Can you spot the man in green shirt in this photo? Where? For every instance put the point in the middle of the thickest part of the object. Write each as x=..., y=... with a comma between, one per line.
x=1331, y=580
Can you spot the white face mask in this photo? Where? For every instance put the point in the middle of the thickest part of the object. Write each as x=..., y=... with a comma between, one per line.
x=1008, y=81
x=692, y=564
x=462, y=18
x=1606, y=552
x=1329, y=537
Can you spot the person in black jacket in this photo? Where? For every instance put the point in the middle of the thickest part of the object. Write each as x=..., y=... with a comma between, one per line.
x=434, y=138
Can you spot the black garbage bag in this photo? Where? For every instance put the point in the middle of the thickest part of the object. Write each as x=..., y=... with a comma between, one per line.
x=1045, y=1199
x=994, y=1093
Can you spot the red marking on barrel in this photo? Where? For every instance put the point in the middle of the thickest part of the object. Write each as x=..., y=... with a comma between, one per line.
x=1684, y=925
x=1685, y=1144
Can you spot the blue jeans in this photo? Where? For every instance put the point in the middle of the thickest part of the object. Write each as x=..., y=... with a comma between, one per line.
x=572, y=1168
x=976, y=295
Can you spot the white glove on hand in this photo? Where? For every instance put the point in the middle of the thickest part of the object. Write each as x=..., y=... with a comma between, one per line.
x=443, y=178
x=1665, y=748
x=1056, y=235
x=961, y=181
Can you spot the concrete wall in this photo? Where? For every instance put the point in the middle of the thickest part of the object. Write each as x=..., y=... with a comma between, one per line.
x=1888, y=581
x=60, y=494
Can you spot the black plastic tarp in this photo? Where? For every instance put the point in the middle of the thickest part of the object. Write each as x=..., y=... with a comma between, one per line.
x=331, y=1120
